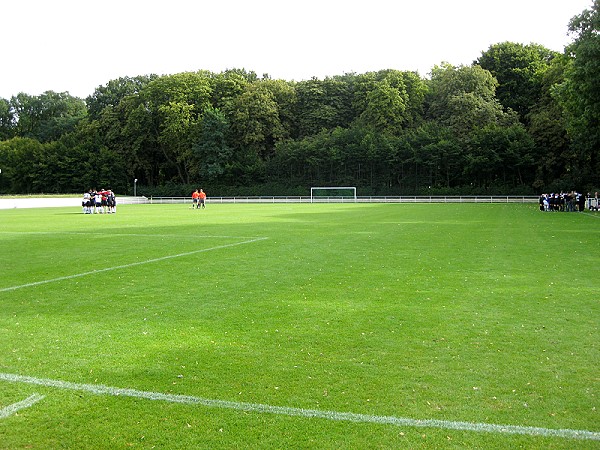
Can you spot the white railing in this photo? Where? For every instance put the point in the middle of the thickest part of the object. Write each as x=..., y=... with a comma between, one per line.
x=363, y=199
x=42, y=202
x=132, y=200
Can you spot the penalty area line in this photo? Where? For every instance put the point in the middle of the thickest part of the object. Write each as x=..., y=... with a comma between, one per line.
x=126, y=266
x=100, y=389
x=15, y=407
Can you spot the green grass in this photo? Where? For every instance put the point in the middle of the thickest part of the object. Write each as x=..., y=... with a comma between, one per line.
x=460, y=313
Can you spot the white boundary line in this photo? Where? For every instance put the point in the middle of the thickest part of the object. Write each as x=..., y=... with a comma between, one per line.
x=125, y=266
x=100, y=389
x=594, y=215
x=15, y=407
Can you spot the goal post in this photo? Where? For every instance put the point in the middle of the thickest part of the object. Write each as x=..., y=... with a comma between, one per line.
x=337, y=194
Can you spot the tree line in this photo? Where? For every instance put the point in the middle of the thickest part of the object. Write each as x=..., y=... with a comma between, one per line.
x=521, y=119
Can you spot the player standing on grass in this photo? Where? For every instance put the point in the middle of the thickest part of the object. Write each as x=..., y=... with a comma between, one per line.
x=98, y=202
x=195, y=196
x=111, y=202
x=201, y=199
x=87, y=203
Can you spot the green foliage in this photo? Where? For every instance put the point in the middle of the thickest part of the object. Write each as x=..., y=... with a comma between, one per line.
x=546, y=125
x=451, y=87
x=519, y=70
x=323, y=104
x=48, y=116
x=385, y=109
x=436, y=158
x=210, y=148
x=389, y=101
x=255, y=121
x=7, y=120
x=503, y=154
x=110, y=95
x=18, y=161
x=579, y=95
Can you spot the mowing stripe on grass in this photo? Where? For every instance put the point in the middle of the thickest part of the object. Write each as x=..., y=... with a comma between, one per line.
x=100, y=389
x=92, y=233
x=125, y=266
x=12, y=409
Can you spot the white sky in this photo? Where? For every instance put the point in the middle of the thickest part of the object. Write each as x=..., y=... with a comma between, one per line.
x=78, y=45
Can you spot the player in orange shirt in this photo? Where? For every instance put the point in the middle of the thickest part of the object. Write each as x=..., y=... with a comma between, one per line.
x=195, y=197
x=202, y=199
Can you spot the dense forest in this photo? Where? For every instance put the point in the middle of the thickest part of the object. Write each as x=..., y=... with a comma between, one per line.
x=521, y=119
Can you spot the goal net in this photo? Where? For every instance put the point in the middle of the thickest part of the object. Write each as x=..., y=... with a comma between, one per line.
x=332, y=194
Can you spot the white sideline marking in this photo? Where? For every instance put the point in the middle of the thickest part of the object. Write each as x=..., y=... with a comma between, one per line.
x=12, y=409
x=125, y=266
x=595, y=216
x=100, y=389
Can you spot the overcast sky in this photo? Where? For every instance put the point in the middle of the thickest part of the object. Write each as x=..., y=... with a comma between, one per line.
x=78, y=45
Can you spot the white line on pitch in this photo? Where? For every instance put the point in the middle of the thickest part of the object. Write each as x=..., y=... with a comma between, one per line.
x=125, y=266
x=595, y=216
x=100, y=389
x=12, y=409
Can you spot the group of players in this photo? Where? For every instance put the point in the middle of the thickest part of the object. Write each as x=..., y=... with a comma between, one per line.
x=99, y=202
x=565, y=201
x=199, y=199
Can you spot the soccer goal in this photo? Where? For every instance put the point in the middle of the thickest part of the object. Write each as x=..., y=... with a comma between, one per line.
x=332, y=194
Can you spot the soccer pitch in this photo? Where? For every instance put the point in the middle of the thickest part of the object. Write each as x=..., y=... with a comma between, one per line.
x=300, y=326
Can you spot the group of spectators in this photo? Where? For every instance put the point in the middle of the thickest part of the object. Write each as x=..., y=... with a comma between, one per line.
x=567, y=201
x=99, y=202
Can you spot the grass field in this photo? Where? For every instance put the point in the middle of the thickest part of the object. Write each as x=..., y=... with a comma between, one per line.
x=300, y=326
